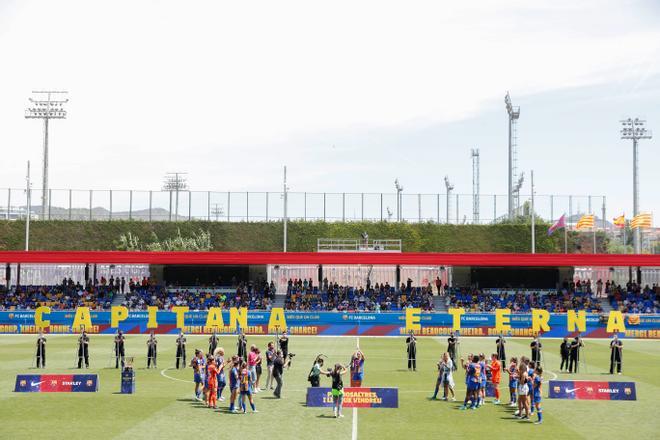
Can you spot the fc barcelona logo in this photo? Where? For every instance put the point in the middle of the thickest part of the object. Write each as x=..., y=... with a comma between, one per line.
x=11, y=316
x=556, y=389
x=628, y=391
x=23, y=383
x=590, y=390
x=89, y=382
x=53, y=382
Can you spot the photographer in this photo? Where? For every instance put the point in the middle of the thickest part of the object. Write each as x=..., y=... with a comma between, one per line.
x=152, y=350
x=181, y=351
x=241, y=346
x=314, y=376
x=83, y=349
x=411, y=349
x=279, y=362
x=284, y=345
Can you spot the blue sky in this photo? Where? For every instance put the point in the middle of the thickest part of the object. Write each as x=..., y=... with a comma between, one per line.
x=348, y=95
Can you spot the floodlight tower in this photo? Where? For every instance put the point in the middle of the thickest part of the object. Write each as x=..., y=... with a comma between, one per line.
x=475, y=185
x=176, y=182
x=46, y=105
x=449, y=187
x=399, y=190
x=635, y=129
x=514, y=114
x=217, y=211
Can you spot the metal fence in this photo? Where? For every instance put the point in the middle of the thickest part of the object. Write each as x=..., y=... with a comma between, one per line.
x=73, y=204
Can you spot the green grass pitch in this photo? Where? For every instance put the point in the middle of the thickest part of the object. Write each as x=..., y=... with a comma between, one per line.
x=163, y=406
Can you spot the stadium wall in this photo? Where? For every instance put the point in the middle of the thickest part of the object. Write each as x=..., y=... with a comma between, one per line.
x=316, y=323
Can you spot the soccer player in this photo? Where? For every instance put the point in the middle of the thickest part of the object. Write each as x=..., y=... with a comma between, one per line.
x=152, y=352
x=357, y=368
x=220, y=365
x=564, y=350
x=119, y=349
x=198, y=365
x=616, y=347
x=234, y=379
x=513, y=380
x=337, y=389
x=482, y=380
x=252, y=365
x=41, y=350
x=445, y=378
x=538, y=382
x=472, y=380
x=531, y=371
x=495, y=376
x=411, y=349
x=246, y=388
x=181, y=350
x=523, y=402
x=212, y=373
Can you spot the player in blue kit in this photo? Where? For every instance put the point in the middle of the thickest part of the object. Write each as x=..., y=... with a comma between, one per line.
x=531, y=371
x=198, y=363
x=482, y=380
x=513, y=381
x=538, y=383
x=473, y=382
x=234, y=381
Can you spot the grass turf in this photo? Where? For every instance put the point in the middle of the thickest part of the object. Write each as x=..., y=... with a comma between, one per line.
x=163, y=406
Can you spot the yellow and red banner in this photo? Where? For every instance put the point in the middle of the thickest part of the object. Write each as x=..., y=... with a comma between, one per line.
x=586, y=221
x=620, y=221
x=644, y=220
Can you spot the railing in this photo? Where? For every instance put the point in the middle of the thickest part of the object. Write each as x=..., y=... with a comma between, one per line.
x=352, y=245
x=72, y=204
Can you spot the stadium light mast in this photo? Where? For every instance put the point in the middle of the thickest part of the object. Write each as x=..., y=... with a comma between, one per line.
x=399, y=190
x=45, y=105
x=516, y=194
x=217, y=211
x=514, y=114
x=28, y=187
x=285, y=196
x=175, y=182
x=449, y=188
x=474, y=153
x=635, y=129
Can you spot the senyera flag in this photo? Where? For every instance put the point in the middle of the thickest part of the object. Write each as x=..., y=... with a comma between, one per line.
x=561, y=223
x=586, y=221
x=642, y=221
x=620, y=221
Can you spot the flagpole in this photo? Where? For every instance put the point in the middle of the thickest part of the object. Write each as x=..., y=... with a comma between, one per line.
x=565, y=239
x=533, y=218
x=594, y=237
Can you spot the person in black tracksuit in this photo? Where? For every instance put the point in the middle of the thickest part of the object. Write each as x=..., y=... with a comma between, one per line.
x=574, y=354
x=616, y=358
x=83, y=349
x=452, y=340
x=411, y=349
x=536, y=347
x=241, y=346
x=564, y=351
x=41, y=350
x=181, y=351
x=501, y=350
x=213, y=343
x=152, y=350
x=119, y=349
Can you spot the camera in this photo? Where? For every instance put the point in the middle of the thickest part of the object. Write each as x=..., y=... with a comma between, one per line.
x=291, y=355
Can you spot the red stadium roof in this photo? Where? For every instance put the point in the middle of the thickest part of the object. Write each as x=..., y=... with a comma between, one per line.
x=370, y=258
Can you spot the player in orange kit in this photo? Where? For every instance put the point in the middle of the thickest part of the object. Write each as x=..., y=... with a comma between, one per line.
x=495, y=368
x=212, y=374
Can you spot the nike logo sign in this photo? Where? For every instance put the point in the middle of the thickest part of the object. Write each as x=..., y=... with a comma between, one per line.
x=34, y=384
x=570, y=391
